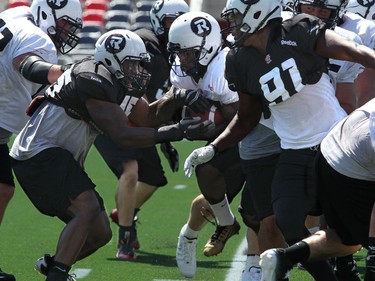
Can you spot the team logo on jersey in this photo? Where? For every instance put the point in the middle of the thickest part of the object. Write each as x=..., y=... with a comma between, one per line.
x=115, y=43
x=289, y=43
x=268, y=59
x=366, y=3
x=57, y=4
x=201, y=26
x=157, y=6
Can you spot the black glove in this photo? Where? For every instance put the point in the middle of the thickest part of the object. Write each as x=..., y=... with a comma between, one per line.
x=199, y=131
x=171, y=154
x=193, y=99
x=186, y=128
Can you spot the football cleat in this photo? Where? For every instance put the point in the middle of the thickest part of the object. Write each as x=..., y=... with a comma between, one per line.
x=71, y=277
x=114, y=217
x=186, y=254
x=254, y=273
x=6, y=277
x=43, y=264
x=125, y=252
x=275, y=265
x=217, y=241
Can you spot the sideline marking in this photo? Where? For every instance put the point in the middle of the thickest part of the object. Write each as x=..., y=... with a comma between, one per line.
x=238, y=263
x=81, y=272
x=180, y=186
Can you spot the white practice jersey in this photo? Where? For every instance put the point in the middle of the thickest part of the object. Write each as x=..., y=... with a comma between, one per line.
x=347, y=148
x=19, y=36
x=50, y=126
x=345, y=71
x=213, y=83
x=305, y=118
x=364, y=28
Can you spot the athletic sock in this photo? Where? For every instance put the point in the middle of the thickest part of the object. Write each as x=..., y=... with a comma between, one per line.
x=223, y=213
x=125, y=234
x=190, y=233
x=252, y=260
x=298, y=252
x=58, y=272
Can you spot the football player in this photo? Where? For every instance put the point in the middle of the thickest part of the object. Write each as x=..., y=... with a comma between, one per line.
x=362, y=24
x=94, y=96
x=345, y=174
x=199, y=58
x=139, y=171
x=287, y=80
x=30, y=40
x=344, y=74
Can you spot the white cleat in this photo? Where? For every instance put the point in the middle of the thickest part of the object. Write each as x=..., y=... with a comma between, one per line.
x=254, y=273
x=186, y=254
x=274, y=266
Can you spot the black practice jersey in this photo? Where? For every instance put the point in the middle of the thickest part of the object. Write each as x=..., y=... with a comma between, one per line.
x=86, y=79
x=288, y=64
x=159, y=66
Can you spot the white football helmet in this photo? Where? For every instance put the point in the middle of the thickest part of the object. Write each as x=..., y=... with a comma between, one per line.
x=124, y=54
x=364, y=8
x=255, y=14
x=197, y=32
x=334, y=5
x=166, y=9
x=60, y=19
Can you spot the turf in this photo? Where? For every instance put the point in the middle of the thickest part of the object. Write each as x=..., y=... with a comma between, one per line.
x=25, y=235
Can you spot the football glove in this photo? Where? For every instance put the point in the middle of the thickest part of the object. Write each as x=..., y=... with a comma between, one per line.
x=186, y=128
x=171, y=154
x=198, y=156
x=193, y=99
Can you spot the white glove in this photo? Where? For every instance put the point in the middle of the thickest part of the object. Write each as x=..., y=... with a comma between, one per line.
x=198, y=156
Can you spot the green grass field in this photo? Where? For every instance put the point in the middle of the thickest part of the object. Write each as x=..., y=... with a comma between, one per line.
x=26, y=235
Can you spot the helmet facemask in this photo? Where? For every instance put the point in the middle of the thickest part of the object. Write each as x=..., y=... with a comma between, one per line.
x=60, y=19
x=133, y=75
x=64, y=36
x=334, y=6
x=234, y=22
x=188, y=58
x=246, y=17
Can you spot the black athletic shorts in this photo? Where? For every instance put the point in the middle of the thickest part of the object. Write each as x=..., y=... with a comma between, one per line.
x=51, y=179
x=257, y=193
x=150, y=170
x=347, y=203
x=228, y=162
x=6, y=175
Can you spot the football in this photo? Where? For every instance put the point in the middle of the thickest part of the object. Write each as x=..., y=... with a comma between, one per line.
x=214, y=115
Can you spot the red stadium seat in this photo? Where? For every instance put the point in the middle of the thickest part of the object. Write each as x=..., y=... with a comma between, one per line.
x=96, y=5
x=94, y=16
x=16, y=3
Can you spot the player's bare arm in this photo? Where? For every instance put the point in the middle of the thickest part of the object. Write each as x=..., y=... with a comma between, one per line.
x=333, y=45
x=247, y=117
x=111, y=119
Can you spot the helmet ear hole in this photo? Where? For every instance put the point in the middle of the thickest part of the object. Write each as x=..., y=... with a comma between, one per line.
x=44, y=15
x=257, y=15
x=108, y=62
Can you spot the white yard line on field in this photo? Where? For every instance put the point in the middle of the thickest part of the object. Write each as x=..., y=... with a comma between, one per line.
x=238, y=263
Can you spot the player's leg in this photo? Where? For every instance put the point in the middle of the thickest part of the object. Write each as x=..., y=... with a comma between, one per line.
x=6, y=176
x=220, y=180
x=69, y=194
x=294, y=195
